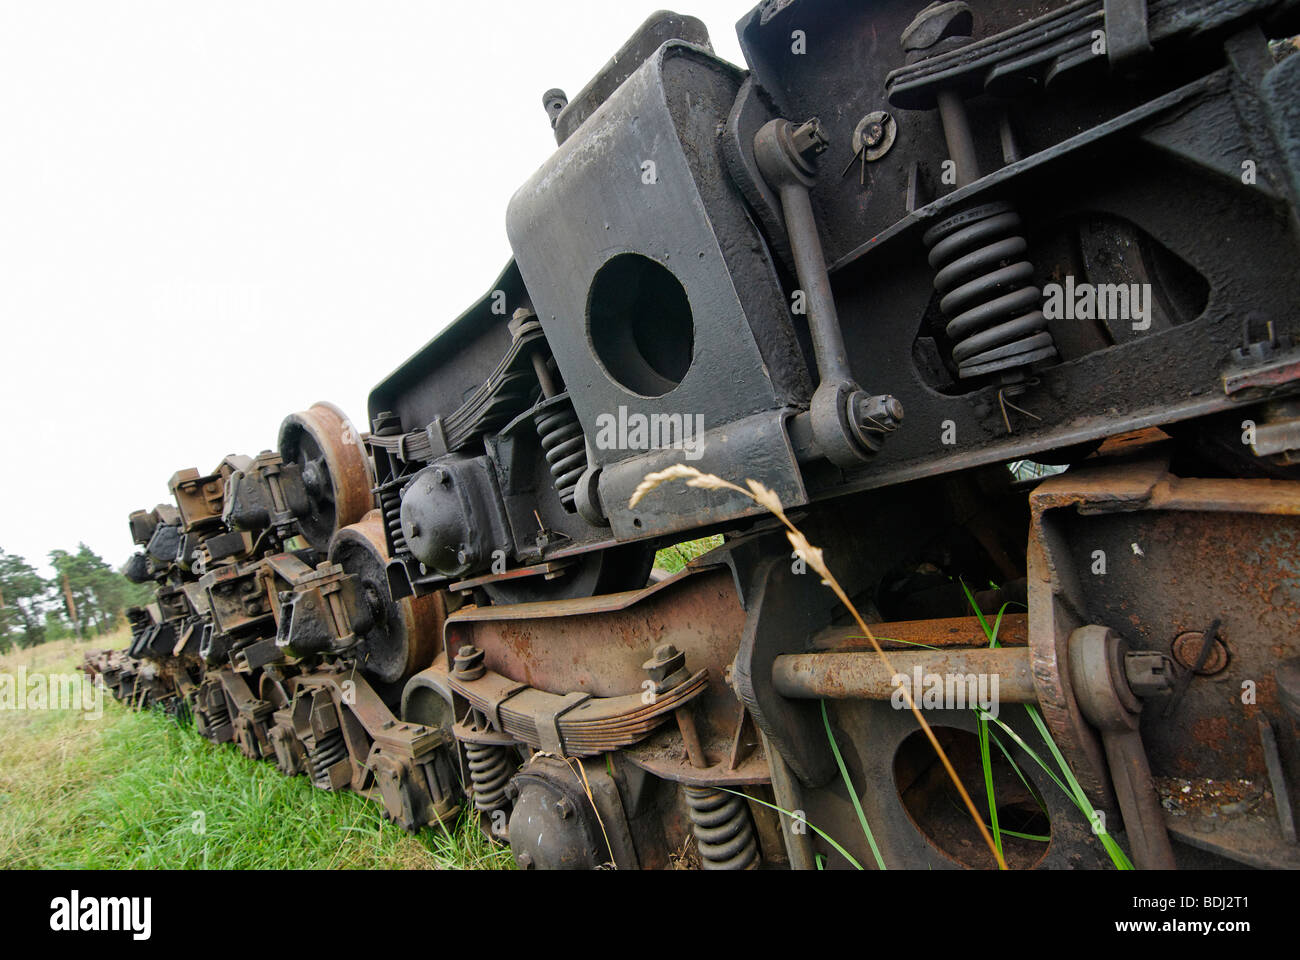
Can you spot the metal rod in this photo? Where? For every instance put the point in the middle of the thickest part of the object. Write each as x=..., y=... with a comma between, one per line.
x=956, y=131
x=789, y=796
x=810, y=268
x=1139, y=801
x=864, y=676
x=544, y=378
x=691, y=737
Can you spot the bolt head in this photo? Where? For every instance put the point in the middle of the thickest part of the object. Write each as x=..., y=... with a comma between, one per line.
x=564, y=808
x=312, y=478
x=809, y=139
x=468, y=663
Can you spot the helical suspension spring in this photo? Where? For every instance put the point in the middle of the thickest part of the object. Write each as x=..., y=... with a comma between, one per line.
x=390, y=502
x=985, y=283
x=564, y=445
x=489, y=771
x=723, y=831
x=218, y=712
x=329, y=750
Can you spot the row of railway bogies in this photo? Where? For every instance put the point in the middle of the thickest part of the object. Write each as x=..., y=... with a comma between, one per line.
x=273, y=628
x=672, y=724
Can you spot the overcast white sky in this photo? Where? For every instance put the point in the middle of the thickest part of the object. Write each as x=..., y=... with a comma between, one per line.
x=214, y=214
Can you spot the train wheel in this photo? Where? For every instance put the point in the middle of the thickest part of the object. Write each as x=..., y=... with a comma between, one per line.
x=402, y=636
x=335, y=469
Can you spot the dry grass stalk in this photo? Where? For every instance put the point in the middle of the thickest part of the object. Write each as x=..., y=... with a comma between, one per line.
x=813, y=557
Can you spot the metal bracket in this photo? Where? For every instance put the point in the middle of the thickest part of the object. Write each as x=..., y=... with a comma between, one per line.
x=1127, y=35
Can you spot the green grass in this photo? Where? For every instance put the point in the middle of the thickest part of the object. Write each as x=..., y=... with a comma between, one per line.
x=853, y=793
x=122, y=791
x=1070, y=787
x=674, y=558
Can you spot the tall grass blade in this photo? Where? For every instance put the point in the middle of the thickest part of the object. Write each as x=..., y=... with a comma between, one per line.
x=853, y=794
x=811, y=826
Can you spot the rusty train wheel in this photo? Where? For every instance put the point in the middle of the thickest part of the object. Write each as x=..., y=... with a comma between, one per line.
x=336, y=469
x=403, y=635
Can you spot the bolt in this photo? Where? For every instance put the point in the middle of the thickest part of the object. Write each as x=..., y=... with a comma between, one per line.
x=468, y=664
x=808, y=139
x=524, y=859
x=442, y=476
x=937, y=22
x=312, y=479
x=666, y=666
x=878, y=414
x=554, y=101
x=564, y=808
x=885, y=406
x=875, y=132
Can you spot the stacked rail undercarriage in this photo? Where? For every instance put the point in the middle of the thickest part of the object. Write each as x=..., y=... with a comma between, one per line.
x=908, y=246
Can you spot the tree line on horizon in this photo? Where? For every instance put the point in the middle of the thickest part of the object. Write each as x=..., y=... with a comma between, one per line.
x=85, y=597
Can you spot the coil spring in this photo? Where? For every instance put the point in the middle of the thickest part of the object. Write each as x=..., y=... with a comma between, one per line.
x=139, y=621
x=218, y=712
x=489, y=771
x=390, y=501
x=564, y=445
x=986, y=288
x=329, y=750
x=723, y=831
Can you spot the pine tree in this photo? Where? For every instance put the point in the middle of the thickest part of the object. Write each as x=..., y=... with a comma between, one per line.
x=22, y=602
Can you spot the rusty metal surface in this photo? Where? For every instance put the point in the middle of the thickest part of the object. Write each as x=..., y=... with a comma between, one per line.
x=665, y=756
x=597, y=646
x=1179, y=554
x=943, y=632
x=865, y=676
x=414, y=624
x=583, y=726
x=518, y=573
x=350, y=473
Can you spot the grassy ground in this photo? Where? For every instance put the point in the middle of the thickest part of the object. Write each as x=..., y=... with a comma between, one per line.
x=136, y=790
x=671, y=559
